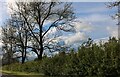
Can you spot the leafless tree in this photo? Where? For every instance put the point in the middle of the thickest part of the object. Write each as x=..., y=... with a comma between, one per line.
x=36, y=14
x=9, y=43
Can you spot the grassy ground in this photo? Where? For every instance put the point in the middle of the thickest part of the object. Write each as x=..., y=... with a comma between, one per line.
x=21, y=74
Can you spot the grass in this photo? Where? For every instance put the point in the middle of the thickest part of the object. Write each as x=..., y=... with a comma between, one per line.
x=20, y=73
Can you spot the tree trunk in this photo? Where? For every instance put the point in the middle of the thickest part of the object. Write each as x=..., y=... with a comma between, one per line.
x=41, y=52
x=39, y=57
x=23, y=60
x=23, y=55
x=41, y=40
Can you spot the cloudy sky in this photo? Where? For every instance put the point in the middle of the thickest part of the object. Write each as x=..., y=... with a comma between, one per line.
x=95, y=22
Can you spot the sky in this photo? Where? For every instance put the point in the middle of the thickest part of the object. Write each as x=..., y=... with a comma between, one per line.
x=99, y=16
x=94, y=18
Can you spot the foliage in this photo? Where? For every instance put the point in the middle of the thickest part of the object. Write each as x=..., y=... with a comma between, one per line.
x=91, y=60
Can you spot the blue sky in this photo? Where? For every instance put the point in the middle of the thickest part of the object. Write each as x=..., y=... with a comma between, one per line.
x=3, y=12
x=98, y=15
x=95, y=17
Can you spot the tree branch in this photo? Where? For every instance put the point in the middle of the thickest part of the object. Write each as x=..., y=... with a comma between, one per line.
x=53, y=24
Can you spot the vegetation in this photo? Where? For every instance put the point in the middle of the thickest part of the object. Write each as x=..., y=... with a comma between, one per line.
x=26, y=32
x=91, y=59
x=20, y=74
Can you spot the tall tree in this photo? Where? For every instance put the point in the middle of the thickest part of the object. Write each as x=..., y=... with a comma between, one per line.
x=37, y=14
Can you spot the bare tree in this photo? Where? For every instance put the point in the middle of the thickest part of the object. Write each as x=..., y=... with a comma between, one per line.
x=16, y=34
x=9, y=43
x=22, y=35
x=37, y=14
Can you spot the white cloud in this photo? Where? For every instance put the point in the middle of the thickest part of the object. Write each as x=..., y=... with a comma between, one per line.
x=99, y=23
x=53, y=30
x=98, y=18
x=78, y=36
x=113, y=31
x=82, y=26
x=74, y=38
x=101, y=40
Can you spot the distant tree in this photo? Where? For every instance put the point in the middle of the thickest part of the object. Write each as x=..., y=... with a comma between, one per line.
x=8, y=32
x=15, y=36
x=22, y=35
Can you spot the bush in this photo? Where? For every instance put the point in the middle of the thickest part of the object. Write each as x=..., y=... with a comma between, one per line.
x=91, y=59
